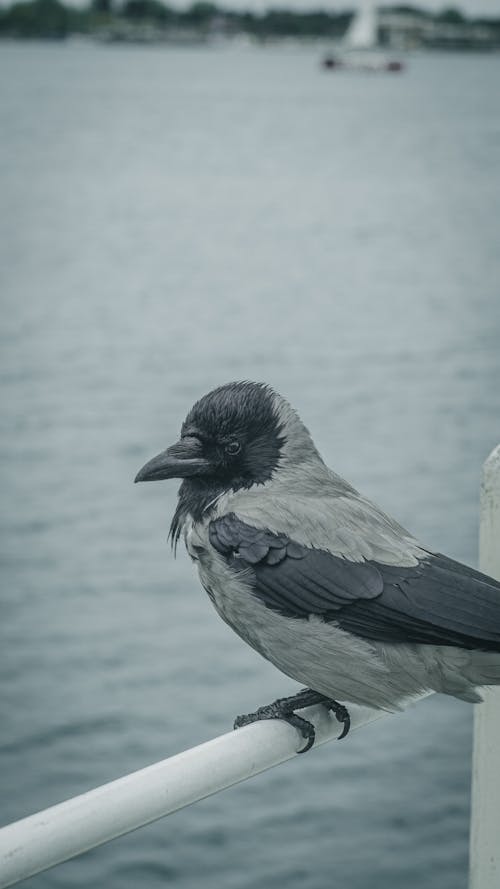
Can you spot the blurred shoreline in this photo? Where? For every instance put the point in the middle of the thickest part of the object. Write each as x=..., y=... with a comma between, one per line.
x=146, y=22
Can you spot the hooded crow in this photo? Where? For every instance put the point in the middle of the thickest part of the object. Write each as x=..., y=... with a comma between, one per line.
x=313, y=575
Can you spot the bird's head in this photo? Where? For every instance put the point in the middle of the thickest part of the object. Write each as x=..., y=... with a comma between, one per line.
x=233, y=438
x=237, y=436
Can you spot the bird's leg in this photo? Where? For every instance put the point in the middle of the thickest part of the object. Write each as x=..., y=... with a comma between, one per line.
x=284, y=708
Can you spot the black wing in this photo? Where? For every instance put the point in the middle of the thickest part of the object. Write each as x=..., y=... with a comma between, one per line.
x=438, y=601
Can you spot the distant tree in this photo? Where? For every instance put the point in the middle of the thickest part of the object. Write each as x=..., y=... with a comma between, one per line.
x=37, y=18
x=292, y=23
x=150, y=10
x=248, y=22
x=451, y=16
x=318, y=23
x=102, y=7
x=200, y=14
x=406, y=9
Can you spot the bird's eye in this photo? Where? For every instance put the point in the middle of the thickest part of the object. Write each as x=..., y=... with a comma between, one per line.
x=233, y=447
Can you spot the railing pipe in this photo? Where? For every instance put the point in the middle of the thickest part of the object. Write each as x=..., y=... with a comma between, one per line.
x=72, y=827
x=485, y=815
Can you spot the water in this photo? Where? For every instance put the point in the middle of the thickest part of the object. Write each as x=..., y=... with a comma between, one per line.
x=173, y=220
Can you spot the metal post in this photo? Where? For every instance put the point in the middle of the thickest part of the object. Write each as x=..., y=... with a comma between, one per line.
x=63, y=831
x=485, y=816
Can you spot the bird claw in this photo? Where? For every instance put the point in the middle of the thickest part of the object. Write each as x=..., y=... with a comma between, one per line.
x=284, y=708
x=342, y=714
x=281, y=709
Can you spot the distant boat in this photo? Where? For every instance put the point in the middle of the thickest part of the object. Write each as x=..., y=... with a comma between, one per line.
x=360, y=48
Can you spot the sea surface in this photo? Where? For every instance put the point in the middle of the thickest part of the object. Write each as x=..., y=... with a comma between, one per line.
x=173, y=219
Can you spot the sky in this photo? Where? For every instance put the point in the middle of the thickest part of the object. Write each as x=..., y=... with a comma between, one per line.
x=488, y=8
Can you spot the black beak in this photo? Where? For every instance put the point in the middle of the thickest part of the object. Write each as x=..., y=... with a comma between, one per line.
x=181, y=460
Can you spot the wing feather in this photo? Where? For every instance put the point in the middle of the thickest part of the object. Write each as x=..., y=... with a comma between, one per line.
x=438, y=601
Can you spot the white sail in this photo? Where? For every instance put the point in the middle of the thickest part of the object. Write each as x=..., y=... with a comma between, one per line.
x=363, y=30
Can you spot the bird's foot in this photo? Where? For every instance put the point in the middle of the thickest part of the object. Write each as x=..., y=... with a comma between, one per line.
x=342, y=714
x=284, y=708
x=281, y=709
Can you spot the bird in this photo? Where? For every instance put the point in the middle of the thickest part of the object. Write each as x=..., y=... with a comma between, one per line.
x=313, y=575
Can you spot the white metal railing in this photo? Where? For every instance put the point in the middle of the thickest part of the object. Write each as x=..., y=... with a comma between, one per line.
x=63, y=831
x=72, y=827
